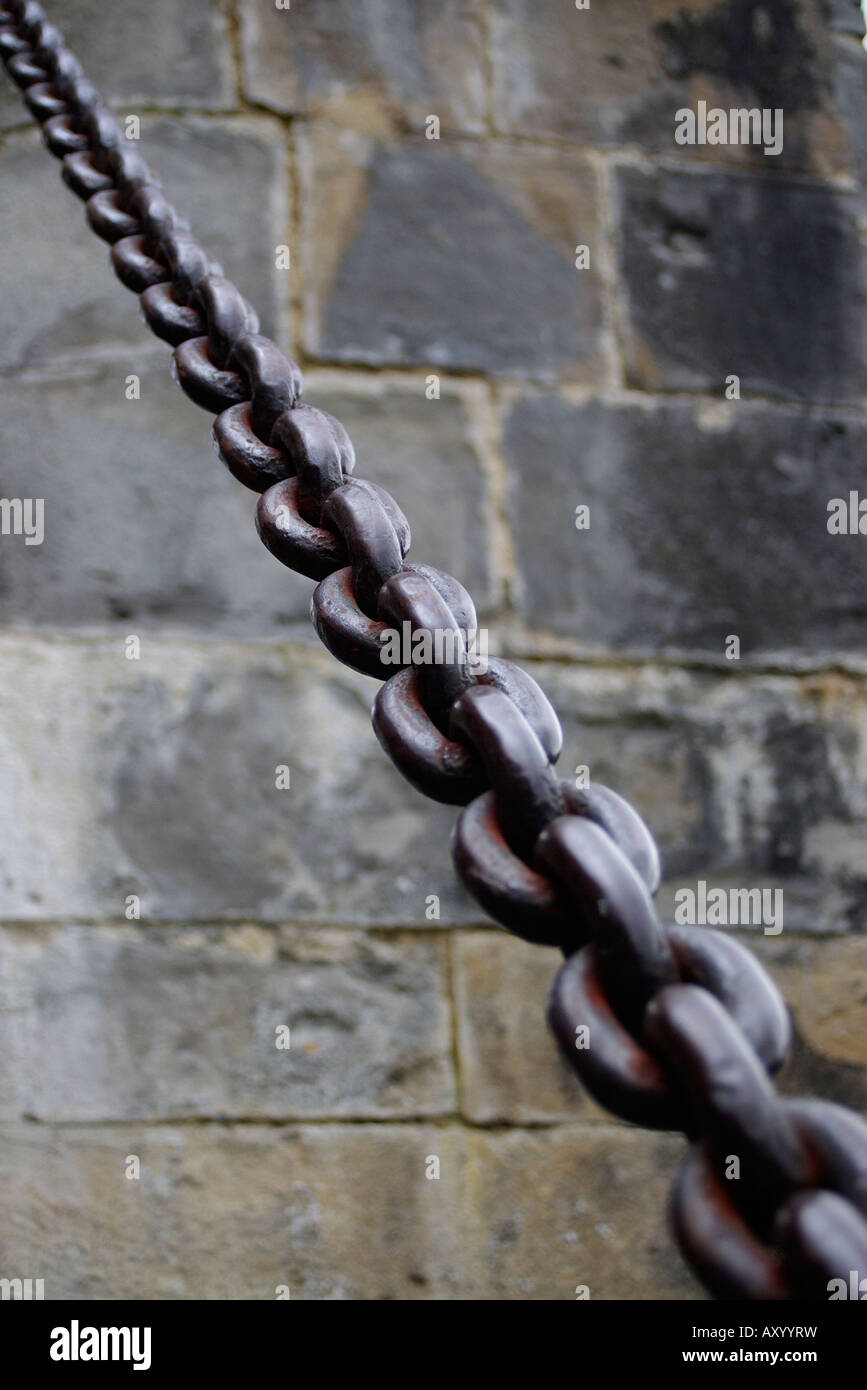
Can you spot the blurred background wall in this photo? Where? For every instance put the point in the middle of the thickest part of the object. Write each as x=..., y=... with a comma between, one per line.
x=154, y=778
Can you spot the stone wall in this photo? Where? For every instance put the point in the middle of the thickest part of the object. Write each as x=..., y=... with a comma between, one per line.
x=153, y=779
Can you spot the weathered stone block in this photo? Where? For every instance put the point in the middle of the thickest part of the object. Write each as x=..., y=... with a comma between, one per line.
x=159, y=54
x=746, y=783
x=340, y=1212
x=550, y=1210
x=143, y=524
x=586, y=75
x=705, y=522
x=232, y=1212
x=456, y=256
x=157, y=777
x=61, y=297
x=617, y=75
x=59, y=291
x=723, y=274
x=130, y=1022
x=825, y=985
x=368, y=65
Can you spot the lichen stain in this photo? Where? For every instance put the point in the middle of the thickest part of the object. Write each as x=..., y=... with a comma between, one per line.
x=758, y=46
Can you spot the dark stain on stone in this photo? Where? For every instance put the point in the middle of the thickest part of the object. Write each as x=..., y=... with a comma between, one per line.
x=686, y=243
x=119, y=608
x=758, y=46
x=508, y=1232
x=856, y=911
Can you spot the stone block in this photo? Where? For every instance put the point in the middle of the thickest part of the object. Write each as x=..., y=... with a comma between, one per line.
x=724, y=274
x=137, y=1023
x=450, y=255
x=370, y=66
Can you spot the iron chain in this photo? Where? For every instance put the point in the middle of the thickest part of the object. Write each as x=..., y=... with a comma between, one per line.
x=685, y=1029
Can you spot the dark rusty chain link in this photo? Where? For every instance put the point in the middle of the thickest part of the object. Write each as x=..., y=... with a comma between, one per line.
x=684, y=1026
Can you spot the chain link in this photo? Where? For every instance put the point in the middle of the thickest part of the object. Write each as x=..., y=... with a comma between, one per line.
x=684, y=1027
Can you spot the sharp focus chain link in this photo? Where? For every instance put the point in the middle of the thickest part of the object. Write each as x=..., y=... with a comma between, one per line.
x=683, y=1028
